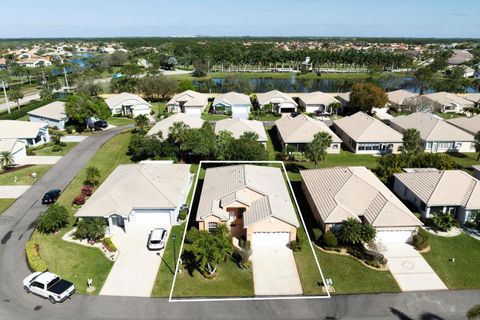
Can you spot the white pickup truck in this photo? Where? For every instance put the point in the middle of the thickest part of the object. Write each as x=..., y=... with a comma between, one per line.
x=48, y=285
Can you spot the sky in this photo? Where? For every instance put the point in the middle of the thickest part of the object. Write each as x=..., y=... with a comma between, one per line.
x=336, y=18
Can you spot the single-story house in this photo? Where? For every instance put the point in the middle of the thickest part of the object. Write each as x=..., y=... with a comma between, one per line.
x=364, y=134
x=453, y=191
x=128, y=104
x=299, y=131
x=165, y=124
x=253, y=201
x=140, y=194
x=446, y=102
x=52, y=113
x=237, y=103
x=317, y=102
x=189, y=102
x=344, y=98
x=437, y=134
x=280, y=102
x=468, y=72
x=470, y=125
x=31, y=133
x=397, y=98
x=34, y=62
x=240, y=126
x=3, y=64
x=473, y=97
x=460, y=56
x=476, y=171
x=337, y=194
x=16, y=148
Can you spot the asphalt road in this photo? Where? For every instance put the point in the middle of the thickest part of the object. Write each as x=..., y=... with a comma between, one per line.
x=13, y=105
x=16, y=227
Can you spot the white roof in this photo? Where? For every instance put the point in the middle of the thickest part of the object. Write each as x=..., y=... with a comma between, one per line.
x=317, y=98
x=274, y=96
x=446, y=98
x=398, y=96
x=239, y=126
x=232, y=98
x=471, y=125
x=352, y=192
x=138, y=186
x=189, y=98
x=474, y=97
x=443, y=188
x=364, y=128
x=460, y=56
x=431, y=128
x=54, y=111
x=8, y=144
x=345, y=96
x=164, y=125
x=120, y=99
x=302, y=129
x=223, y=185
x=14, y=129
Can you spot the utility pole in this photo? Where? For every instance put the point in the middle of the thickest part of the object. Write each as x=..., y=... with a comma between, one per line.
x=6, y=96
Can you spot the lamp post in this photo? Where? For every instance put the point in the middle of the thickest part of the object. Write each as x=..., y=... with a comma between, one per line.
x=174, y=237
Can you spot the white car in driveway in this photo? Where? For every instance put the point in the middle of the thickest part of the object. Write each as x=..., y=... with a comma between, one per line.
x=48, y=285
x=156, y=239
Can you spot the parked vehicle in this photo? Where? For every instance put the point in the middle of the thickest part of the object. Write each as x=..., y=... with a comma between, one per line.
x=51, y=196
x=294, y=114
x=102, y=124
x=49, y=286
x=156, y=239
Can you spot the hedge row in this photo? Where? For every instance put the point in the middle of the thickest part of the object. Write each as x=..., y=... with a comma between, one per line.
x=16, y=114
x=108, y=243
x=35, y=262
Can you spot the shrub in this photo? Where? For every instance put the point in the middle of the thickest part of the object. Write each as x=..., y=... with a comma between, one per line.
x=70, y=129
x=330, y=240
x=35, y=262
x=92, y=229
x=183, y=214
x=350, y=231
x=317, y=235
x=368, y=232
x=420, y=241
x=108, y=243
x=443, y=221
x=30, y=152
x=374, y=259
x=242, y=256
x=87, y=190
x=295, y=245
x=57, y=148
x=79, y=200
x=52, y=220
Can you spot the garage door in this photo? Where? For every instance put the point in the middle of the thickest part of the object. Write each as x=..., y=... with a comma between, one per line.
x=271, y=238
x=197, y=112
x=153, y=218
x=392, y=236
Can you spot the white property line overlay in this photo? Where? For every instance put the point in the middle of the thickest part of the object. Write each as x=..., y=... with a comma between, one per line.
x=249, y=298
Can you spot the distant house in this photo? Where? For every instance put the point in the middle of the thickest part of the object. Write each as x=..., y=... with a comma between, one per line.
x=3, y=64
x=364, y=134
x=299, y=131
x=468, y=72
x=237, y=103
x=473, y=97
x=470, y=125
x=476, y=171
x=280, y=102
x=163, y=126
x=397, y=98
x=17, y=148
x=317, y=102
x=240, y=126
x=437, y=134
x=31, y=133
x=459, y=57
x=52, y=113
x=446, y=102
x=34, y=62
x=127, y=104
x=189, y=102
x=337, y=194
x=453, y=191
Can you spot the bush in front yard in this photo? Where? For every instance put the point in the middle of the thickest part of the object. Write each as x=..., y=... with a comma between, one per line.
x=108, y=243
x=296, y=245
x=420, y=241
x=79, y=200
x=92, y=229
x=374, y=259
x=183, y=214
x=87, y=190
x=57, y=148
x=443, y=221
x=330, y=240
x=52, y=220
x=35, y=262
x=368, y=233
x=317, y=235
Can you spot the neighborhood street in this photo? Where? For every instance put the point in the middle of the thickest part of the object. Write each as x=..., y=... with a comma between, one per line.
x=12, y=104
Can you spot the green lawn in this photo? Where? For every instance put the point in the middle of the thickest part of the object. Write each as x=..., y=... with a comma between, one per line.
x=47, y=151
x=270, y=148
x=75, y=262
x=120, y=121
x=5, y=204
x=448, y=115
x=159, y=107
x=268, y=117
x=465, y=160
x=464, y=272
x=213, y=117
x=23, y=175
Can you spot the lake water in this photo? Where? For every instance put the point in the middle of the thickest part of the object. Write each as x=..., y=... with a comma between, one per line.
x=309, y=85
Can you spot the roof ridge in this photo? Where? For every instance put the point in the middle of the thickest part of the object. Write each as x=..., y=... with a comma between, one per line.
x=436, y=185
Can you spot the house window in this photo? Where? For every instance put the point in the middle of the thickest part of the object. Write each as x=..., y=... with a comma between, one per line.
x=240, y=213
x=212, y=226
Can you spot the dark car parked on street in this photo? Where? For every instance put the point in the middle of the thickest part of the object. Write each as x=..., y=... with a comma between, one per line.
x=51, y=196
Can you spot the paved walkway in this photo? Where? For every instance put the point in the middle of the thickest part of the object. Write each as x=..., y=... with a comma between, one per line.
x=274, y=271
x=135, y=270
x=39, y=160
x=12, y=192
x=73, y=138
x=410, y=269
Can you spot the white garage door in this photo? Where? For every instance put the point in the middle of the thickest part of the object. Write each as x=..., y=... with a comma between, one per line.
x=197, y=112
x=271, y=238
x=392, y=236
x=153, y=218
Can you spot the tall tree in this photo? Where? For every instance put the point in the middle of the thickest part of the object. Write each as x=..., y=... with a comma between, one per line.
x=80, y=107
x=423, y=76
x=365, y=96
x=412, y=143
x=316, y=151
x=16, y=95
x=141, y=121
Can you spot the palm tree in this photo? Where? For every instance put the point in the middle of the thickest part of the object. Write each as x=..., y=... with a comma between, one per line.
x=6, y=159
x=316, y=151
x=177, y=131
x=16, y=95
x=412, y=143
x=477, y=144
x=141, y=121
x=350, y=231
x=92, y=176
x=474, y=312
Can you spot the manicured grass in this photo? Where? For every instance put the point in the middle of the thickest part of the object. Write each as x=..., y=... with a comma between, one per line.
x=465, y=160
x=270, y=148
x=268, y=117
x=120, y=121
x=7, y=178
x=449, y=115
x=47, y=151
x=159, y=107
x=75, y=262
x=5, y=204
x=213, y=117
x=464, y=272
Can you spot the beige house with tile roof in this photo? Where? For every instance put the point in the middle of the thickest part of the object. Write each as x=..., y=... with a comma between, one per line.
x=31, y=133
x=240, y=126
x=474, y=97
x=189, y=102
x=364, y=134
x=396, y=98
x=299, y=131
x=238, y=104
x=447, y=102
x=52, y=113
x=252, y=200
x=163, y=126
x=453, y=191
x=316, y=102
x=337, y=194
x=470, y=125
x=437, y=134
x=128, y=104
x=281, y=102
x=476, y=171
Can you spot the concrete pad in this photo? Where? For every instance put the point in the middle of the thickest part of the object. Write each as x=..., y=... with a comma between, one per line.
x=135, y=270
x=419, y=282
x=12, y=192
x=73, y=138
x=274, y=271
x=39, y=160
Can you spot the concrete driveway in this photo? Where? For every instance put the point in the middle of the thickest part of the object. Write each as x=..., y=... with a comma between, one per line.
x=274, y=271
x=135, y=270
x=12, y=192
x=39, y=160
x=410, y=269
